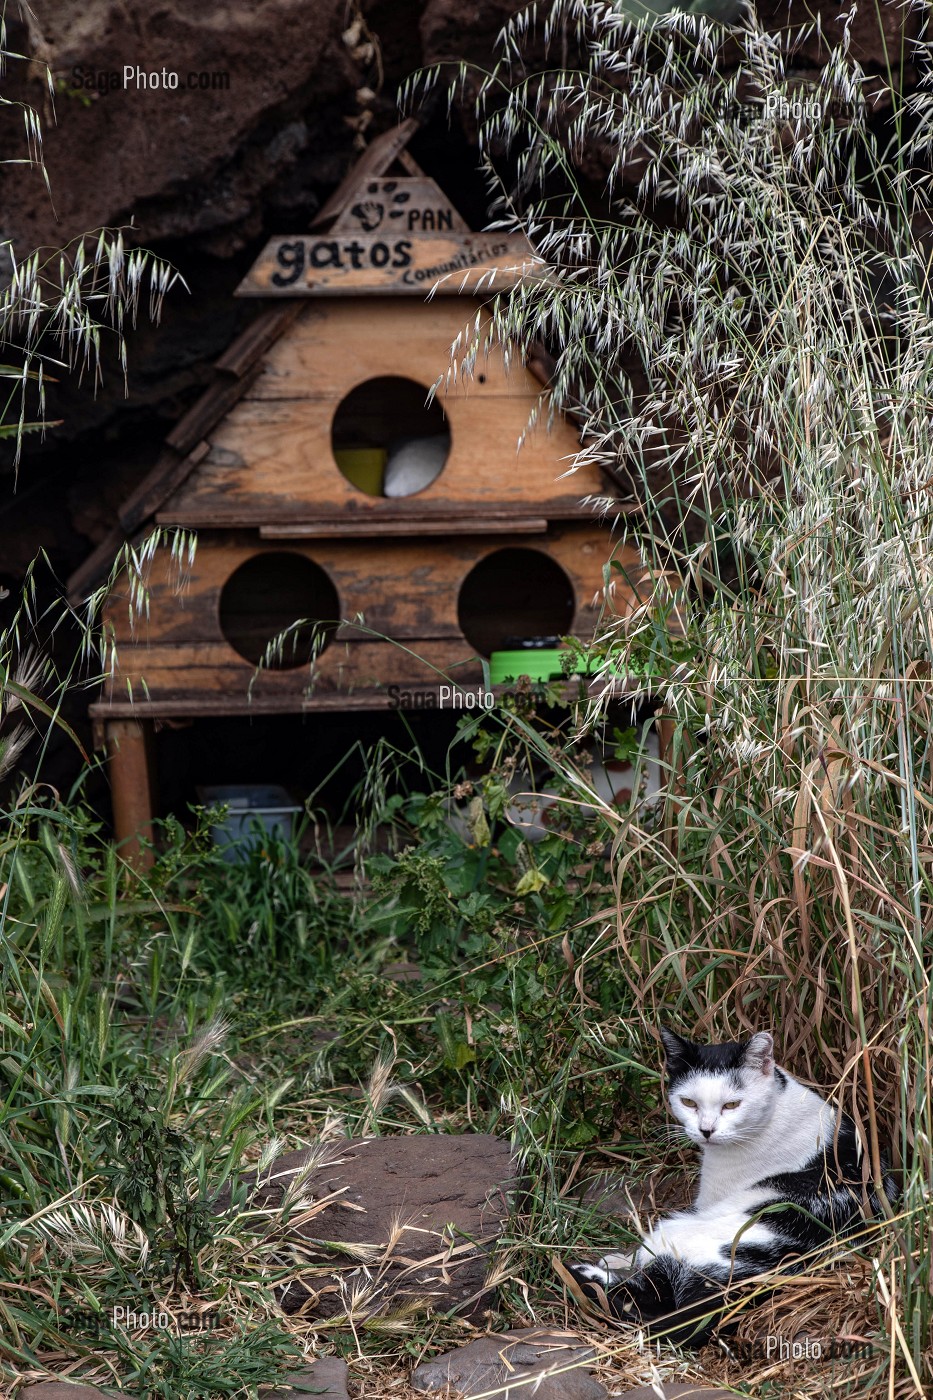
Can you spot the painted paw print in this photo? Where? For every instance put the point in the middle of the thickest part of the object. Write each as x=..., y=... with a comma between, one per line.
x=369, y=213
x=399, y=199
x=372, y=211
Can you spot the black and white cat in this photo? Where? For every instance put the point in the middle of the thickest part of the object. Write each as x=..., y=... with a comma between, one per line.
x=780, y=1176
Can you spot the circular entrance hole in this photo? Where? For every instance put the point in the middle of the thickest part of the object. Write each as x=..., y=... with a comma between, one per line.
x=266, y=596
x=387, y=439
x=514, y=595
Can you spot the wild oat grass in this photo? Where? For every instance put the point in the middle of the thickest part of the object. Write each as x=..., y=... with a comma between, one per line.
x=741, y=319
x=64, y=309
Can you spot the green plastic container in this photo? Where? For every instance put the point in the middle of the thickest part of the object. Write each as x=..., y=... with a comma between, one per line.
x=537, y=663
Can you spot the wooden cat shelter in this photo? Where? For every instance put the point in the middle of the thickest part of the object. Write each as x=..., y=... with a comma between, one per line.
x=293, y=469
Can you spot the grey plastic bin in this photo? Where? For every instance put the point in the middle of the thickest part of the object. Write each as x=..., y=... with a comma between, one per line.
x=254, y=810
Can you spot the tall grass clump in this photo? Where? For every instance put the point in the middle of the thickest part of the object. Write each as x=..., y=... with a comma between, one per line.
x=121, y=1114
x=739, y=313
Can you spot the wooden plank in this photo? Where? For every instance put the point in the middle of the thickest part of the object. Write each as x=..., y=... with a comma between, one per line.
x=411, y=694
x=404, y=590
x=169, y=473
x=339, y=522
x=344, y=343
x=339, y=323
x=185, y=448
x=448, y=264
x=542, y=364
x=164, y=671
x=209, y=409
x=413, y=525
x=376, y=159
x=195, y=707
x=271, y=460
x=408, y=162
x=400, y=204
x=174, y=464
x=218, y=706
x=259, y=336
x=273, y=451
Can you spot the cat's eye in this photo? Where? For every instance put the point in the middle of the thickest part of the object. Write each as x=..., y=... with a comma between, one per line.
x=689, y=1103
x=733, y=1103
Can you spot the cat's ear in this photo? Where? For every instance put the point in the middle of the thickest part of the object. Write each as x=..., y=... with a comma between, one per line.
x=677, y=1051
x=759, y=1053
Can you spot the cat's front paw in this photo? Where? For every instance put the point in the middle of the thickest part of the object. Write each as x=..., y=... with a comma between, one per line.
x=593, y=1273
x=594, y=1283
x=612, y=1292
x=586, y=1284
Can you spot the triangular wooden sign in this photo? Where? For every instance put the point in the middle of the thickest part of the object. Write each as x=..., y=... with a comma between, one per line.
x=400, y=204
x=386, y=233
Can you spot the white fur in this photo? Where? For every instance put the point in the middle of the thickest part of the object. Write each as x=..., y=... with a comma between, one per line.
x=696, y=1236
x=413, y=463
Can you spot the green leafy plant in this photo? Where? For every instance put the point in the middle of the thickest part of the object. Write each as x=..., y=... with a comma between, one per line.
x=151, y=1180
x=211, y=1366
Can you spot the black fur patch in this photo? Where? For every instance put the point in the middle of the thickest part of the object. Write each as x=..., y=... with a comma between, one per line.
x=670, y=1299
x=824, y=1198
x=683, y=1057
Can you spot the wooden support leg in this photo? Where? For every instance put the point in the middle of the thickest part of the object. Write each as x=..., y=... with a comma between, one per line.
x=129, y=747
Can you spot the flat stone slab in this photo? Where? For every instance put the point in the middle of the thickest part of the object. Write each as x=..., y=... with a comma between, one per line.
x=389, y=1222
x=504, y=1367
x=325, y=1378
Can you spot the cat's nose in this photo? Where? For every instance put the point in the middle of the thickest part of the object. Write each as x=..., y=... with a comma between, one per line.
x=707, y=1133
